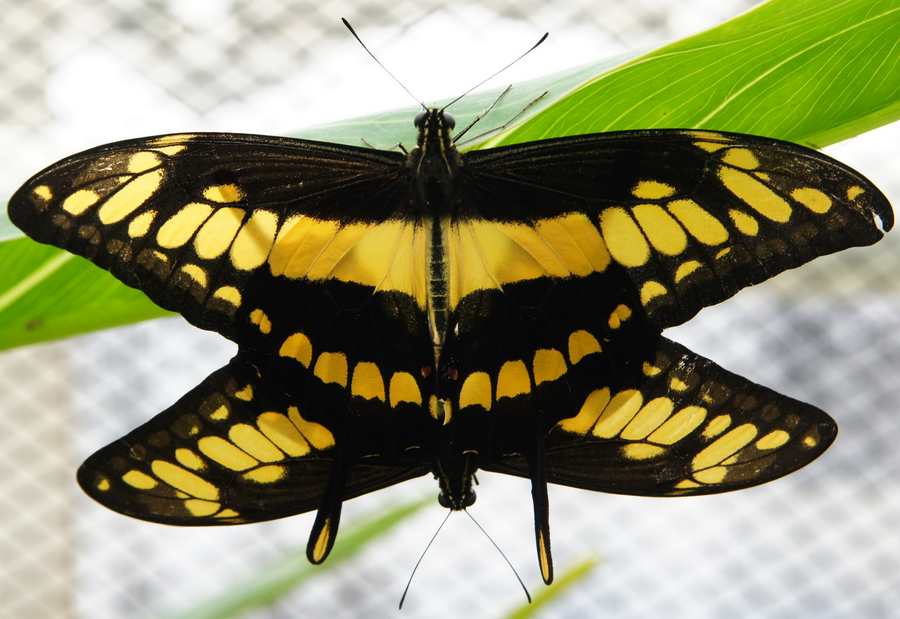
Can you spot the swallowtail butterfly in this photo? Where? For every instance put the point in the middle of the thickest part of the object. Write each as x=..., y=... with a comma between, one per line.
x=399, y=314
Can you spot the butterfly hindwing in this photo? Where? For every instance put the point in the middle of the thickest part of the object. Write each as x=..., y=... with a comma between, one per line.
x=692, y=216
x=684, y=426
x=236, y=449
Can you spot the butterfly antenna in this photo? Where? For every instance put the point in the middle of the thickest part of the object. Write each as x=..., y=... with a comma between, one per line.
x=495, y=74
x=422, y=556
x=505, y=558
x=393, y=77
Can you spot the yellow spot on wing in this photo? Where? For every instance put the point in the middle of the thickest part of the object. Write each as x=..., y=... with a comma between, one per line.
x=548, y=364
x=587, y=415
x=218, y=449
x=624, y=239
x=652, y=190
x=139, y=226
x=179, y=228
x=268, y=474
x=230, y=294
x=367, y=381
x=686, y=484
x=315, y=433
x=403, y=388
x=665, y=234
x=619, y=315
x=130, y=197
x=724, y=446
x=772, y=440
x=261, y=320
x=229, y=192
x=252, y=244
x=279, y=429
x=171, y=150
x=201, y=508
x=747, y=224
x=621, y=408
x=245, y=394
x=678, y=425
x=650, y=290
x=712, y=475
x=182, y=479
x=142, y=161
x=741, y=158
x=215, y=237
x=702, y=226
x=44, y=194
x=80, y=201
x=103, y=485
x=196, y=273
x=188, y=458
x=322, y=541
x=253, y=442
x=854, y=191
x=642, y=451
x=762, y=199
x=716, y=426
x=297, y=346
x=476, y=390
x=710, y=147
x=544, y=557
x=649, y=418
x=582, y=344
x=686, y=268
x=512, y=380
x=813, y=199
x=139, y=480
x=650, y=370
x=331, y=367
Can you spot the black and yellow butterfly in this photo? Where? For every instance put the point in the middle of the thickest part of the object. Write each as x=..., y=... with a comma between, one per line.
x=440, y=312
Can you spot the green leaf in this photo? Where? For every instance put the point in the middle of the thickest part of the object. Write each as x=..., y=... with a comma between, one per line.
x=277, y=580
x=810, y=72
x=554, y=591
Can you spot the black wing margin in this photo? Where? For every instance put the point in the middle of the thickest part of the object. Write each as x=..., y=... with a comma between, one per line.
x=686, y=427
x=692, y=216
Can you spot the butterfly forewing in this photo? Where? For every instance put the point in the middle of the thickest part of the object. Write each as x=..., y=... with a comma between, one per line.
x=692, y=216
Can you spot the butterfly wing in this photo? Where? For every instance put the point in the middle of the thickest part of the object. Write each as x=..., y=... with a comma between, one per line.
x=235, y=450
x=690, y=216
x=206, y=223
x=682, y=426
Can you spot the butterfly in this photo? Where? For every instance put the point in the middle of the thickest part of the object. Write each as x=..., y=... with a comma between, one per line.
x=433, y=311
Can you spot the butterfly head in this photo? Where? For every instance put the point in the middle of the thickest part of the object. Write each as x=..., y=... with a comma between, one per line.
x=434, y=127
x=435, y=160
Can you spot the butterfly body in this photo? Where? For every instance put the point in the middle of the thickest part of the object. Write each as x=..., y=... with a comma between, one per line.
x=444, y=312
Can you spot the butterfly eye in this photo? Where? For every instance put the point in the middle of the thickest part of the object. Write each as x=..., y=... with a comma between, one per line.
x=420, y=120
x=449, y=121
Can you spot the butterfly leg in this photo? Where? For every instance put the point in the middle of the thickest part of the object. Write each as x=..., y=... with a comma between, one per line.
x=538, y=474
x=325, y=528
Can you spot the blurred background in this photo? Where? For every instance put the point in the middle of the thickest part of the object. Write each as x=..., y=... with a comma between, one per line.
x=824, y=542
